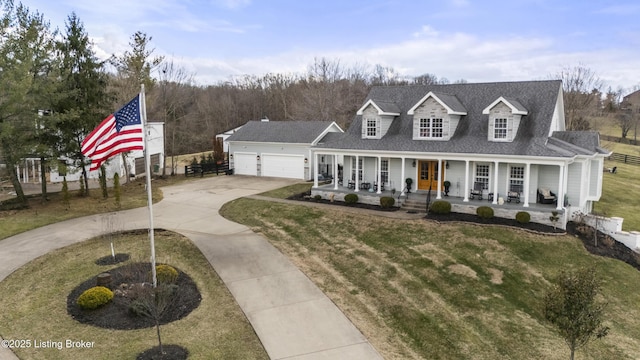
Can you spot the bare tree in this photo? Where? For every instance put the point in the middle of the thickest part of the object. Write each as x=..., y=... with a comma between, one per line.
x=579, y=84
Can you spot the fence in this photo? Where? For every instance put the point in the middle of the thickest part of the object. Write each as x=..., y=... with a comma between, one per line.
x=619, y=139
x=624, y=158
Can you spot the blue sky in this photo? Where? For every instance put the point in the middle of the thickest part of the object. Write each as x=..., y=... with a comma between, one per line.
x=480, y=41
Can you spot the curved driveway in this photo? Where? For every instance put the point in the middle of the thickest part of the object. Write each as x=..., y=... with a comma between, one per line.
x=292, y=317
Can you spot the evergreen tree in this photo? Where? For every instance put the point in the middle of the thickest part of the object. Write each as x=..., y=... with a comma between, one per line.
x=83, y=85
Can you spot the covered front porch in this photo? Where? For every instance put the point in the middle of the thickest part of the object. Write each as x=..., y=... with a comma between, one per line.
x=417, y=201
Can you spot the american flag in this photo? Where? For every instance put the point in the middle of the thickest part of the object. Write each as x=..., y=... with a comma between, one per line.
x=119, y=132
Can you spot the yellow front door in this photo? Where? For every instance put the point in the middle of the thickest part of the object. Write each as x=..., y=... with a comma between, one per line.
x=428, y=175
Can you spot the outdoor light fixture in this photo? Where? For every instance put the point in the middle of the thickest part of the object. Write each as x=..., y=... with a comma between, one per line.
x=446, y=164
x=230, y=156
x=258, y=157
x=305, y=160
x=414, y=163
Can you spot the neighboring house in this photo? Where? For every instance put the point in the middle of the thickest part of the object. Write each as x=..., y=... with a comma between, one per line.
x=632, y=101
x=494, y=137
x=134, y=162
x=278, y=148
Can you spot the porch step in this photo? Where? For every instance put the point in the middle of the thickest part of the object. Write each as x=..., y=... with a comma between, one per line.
x=411, y=205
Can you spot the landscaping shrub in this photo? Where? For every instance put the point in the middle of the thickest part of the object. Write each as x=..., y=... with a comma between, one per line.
x=94, y=298
x=440, y=207
x=317, y=197
x=166, y=274
x=523, y=217
x=351, y=199
x=484, y=212
x=387, y=201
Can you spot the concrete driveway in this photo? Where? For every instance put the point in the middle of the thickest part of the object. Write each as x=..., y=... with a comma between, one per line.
x=291, y=316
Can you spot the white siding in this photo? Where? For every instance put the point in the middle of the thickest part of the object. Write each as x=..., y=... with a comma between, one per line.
x=431, y=109
x=574, y=183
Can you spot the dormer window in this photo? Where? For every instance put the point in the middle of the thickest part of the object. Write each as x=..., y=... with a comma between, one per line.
x=371, y=128
x=436, y=116
x=500, y=128
x=431, y=128
x=504, y=119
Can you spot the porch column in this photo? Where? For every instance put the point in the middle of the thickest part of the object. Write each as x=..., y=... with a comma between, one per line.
x=438, y=192
x=402, y=177
x=560, y=201
x=314, y=170
x=527, y=177
x=335, y=172
x=379, y=175
x=496, y=165
x=357, y=187
x=466, y=181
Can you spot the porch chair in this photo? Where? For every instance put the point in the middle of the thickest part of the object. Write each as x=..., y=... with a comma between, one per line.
x=514, y=193
x=545, y=196
x=476, y=191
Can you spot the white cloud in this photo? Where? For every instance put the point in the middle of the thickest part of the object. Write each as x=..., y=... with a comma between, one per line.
x=233, y=4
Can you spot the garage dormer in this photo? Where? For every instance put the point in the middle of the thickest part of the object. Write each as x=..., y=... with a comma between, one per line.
x=377, y=117
x=504, y=119
x=436, y=116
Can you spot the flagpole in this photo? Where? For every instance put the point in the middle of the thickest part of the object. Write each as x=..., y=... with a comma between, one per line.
x=147, y=162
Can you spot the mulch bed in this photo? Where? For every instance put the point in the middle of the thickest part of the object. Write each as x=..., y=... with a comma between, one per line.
x=170, y=352
x=305, y=196
x=112, y=260
x=116, y=314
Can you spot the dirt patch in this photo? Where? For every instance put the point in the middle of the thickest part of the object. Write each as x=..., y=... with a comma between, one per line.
x=496, y=276
x=464, y=270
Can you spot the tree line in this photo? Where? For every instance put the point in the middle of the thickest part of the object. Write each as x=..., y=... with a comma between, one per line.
x=55, y=91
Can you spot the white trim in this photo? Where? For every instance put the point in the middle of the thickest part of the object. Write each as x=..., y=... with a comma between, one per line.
x=450, y=111
x=380, y=111
x=501, y=99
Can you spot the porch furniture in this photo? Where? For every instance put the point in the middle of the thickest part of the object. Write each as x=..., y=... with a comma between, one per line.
x=365, y=186
x=375, y=186
x=476, y=191
x=545, y=196
x=490, y=196
x=514, y=193
x=351, y=184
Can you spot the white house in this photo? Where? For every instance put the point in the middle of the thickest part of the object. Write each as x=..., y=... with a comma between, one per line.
x=278, y=148
x=134, y=159
x=495, y=140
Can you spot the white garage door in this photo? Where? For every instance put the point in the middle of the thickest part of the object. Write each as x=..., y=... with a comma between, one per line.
x=285, y=166
x=245, y=164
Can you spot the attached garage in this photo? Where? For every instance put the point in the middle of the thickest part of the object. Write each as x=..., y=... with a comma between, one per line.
x=277, y=148
x=245, y=164
x=285, y=166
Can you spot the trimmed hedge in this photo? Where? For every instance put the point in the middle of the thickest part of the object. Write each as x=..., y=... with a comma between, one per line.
x=440, y=207
x=387, y=201
x=351, y=199
x=484, y=212
x=94, y=297
x=523, y=217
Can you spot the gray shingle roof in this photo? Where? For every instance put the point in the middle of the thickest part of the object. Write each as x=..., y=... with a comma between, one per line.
x=387, y=106
x=298, y=132
x=451, y=101
x=537, y=97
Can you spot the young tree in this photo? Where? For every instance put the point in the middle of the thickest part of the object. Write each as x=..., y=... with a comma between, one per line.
x=573, y=308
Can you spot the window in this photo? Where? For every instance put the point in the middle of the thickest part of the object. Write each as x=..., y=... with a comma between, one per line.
x=430, y=128
x=500, y=128
x=516, y=177
x=353, y=168
x=372, y=127
x=384, y=171
x=482, y=175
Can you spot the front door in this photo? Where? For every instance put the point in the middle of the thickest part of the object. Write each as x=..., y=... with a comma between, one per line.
x=428, y=175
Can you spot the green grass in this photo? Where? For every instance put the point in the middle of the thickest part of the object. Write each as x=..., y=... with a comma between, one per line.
x=33, y=304
x=621, y=191
x=418, y=289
